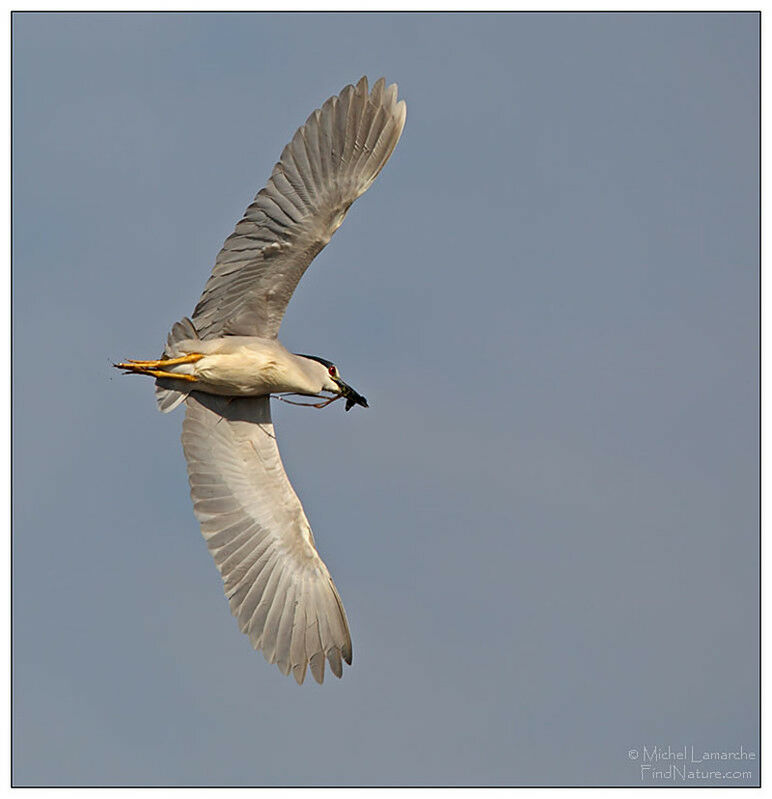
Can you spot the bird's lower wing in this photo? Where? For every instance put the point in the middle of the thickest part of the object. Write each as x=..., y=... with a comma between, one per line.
x=254, y=525
x=331, y=161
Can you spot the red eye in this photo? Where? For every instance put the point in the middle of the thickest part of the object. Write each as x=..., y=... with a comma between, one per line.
x=332, y=371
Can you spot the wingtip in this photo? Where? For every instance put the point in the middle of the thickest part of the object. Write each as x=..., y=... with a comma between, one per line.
x=299, y=672
x=317, y=666
x=333, y=657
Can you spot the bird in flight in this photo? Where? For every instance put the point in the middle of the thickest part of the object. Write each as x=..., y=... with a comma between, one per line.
x=225, y=362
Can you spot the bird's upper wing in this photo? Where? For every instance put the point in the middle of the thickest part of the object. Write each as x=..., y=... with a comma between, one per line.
x=254, y=525
x=331, y=161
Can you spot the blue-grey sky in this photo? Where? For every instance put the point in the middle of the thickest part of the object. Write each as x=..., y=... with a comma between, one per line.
x=544, y=529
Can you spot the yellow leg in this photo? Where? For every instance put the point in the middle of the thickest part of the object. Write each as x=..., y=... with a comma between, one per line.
x=192, y=358
x=160, y=373
x=133, y=367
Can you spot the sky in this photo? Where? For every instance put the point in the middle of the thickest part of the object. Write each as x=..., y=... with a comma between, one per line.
x=545, y=528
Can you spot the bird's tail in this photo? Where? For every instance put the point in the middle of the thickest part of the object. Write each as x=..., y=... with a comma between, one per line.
x=167, y=393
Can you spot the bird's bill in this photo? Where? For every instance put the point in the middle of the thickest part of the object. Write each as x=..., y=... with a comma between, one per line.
x=352, y=397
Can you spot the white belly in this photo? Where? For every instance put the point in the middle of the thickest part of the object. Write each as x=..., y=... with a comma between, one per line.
x=238, y=373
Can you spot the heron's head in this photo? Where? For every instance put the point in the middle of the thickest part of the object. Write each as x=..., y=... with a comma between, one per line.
x=333, y=382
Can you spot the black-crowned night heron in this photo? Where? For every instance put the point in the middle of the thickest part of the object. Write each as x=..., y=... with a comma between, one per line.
x=226, y=361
